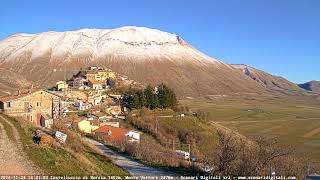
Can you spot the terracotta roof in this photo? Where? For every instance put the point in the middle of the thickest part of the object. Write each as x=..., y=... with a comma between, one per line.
x=45, y=116
x=116, y=133
x=99, y=114
x=13, y=97
x=91, y=72
x=93, y=81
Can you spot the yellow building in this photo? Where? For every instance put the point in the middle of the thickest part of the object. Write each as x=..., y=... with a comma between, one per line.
x=100, y=75
x=61, y=85
x=86, y=127
x=104, y=75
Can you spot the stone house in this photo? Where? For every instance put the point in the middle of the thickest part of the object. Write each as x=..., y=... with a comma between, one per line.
x=96, y=84
x=31, y=105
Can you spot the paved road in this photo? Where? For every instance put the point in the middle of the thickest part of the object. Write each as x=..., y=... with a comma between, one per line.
x=12, y=160
x=133, y=167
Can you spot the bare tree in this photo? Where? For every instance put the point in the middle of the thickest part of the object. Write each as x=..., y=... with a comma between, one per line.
x=234, y=155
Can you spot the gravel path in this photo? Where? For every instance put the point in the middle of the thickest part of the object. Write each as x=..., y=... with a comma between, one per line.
x=133, y=167
x=12, y=160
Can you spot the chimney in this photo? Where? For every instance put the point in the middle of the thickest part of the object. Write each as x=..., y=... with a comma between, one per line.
x=18, y=93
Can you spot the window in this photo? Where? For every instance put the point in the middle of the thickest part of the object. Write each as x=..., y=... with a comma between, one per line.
x=10, y=104
x=38, y=104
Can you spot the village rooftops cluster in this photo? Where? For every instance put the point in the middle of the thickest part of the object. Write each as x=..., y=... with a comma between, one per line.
x=83, y=93
x=89, y=78
x=105, y=124
x=92, y=78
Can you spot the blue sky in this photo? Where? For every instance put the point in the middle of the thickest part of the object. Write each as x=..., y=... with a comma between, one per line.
x=281, y=37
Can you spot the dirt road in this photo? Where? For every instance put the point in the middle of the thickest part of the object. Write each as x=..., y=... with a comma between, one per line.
x=12, y=160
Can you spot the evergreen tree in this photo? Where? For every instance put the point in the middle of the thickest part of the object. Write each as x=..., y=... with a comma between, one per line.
x=142, y=98
x=163, y=96
x=172, y=99
x=154, y=102
x=148, y=92
x=166, y=96
x=136, y=101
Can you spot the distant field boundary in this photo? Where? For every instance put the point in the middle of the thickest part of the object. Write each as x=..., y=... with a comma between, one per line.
x=312, y=133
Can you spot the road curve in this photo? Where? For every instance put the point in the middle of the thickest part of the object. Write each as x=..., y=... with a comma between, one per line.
x=135, y=168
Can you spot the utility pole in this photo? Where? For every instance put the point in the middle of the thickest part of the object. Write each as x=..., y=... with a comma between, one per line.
x=189, y=152
x=156, y=125
x=172, y=144
x=308, y=172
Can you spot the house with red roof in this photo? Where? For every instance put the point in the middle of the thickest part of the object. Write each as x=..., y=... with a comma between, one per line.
x=117, y=134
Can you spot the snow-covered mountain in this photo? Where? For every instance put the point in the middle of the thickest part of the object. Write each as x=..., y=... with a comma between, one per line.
x=99, y=43
x=143, y=54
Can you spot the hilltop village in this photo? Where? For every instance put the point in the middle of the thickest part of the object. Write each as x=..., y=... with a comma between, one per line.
x=101, y=105
x=100, y=108
x=87, y=94
x=96, y=103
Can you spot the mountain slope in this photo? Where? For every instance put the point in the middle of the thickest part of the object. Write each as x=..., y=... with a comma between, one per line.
x=10, y=82
x=271, y=82
x=143, y=54
x=313, y=86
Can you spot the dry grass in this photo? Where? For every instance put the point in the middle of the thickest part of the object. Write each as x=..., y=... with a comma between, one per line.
x=68, y=159
x=287, y=118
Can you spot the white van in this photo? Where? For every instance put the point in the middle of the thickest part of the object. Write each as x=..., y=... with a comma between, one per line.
x=183, y=154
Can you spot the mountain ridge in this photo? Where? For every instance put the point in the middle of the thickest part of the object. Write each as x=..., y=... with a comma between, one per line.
x=267, y=80
x=143, y=54
x=313, y=86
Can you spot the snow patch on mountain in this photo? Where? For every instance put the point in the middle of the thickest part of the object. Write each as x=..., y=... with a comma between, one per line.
x=131, y=41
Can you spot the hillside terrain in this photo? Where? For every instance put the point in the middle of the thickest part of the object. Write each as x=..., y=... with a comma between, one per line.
x=25, y=157
x=11, y=81
x=294, y=121
x=145, y=55
x=313, y=86
x=271, y=82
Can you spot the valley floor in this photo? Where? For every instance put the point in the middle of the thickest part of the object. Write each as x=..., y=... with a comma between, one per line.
x=294, y=121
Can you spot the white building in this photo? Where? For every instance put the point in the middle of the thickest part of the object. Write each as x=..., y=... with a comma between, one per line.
x=134, y=135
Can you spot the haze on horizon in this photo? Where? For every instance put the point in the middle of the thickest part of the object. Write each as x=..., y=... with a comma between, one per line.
x=279, y=37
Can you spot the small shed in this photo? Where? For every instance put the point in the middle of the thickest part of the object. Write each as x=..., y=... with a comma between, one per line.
x=46, y=121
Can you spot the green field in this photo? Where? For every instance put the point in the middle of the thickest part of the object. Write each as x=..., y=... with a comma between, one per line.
x=296, y=122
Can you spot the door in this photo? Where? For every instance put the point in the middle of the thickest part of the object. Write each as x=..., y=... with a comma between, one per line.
x=26, y=106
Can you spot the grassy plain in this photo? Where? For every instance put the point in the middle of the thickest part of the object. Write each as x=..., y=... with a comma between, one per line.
x=295, y=121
